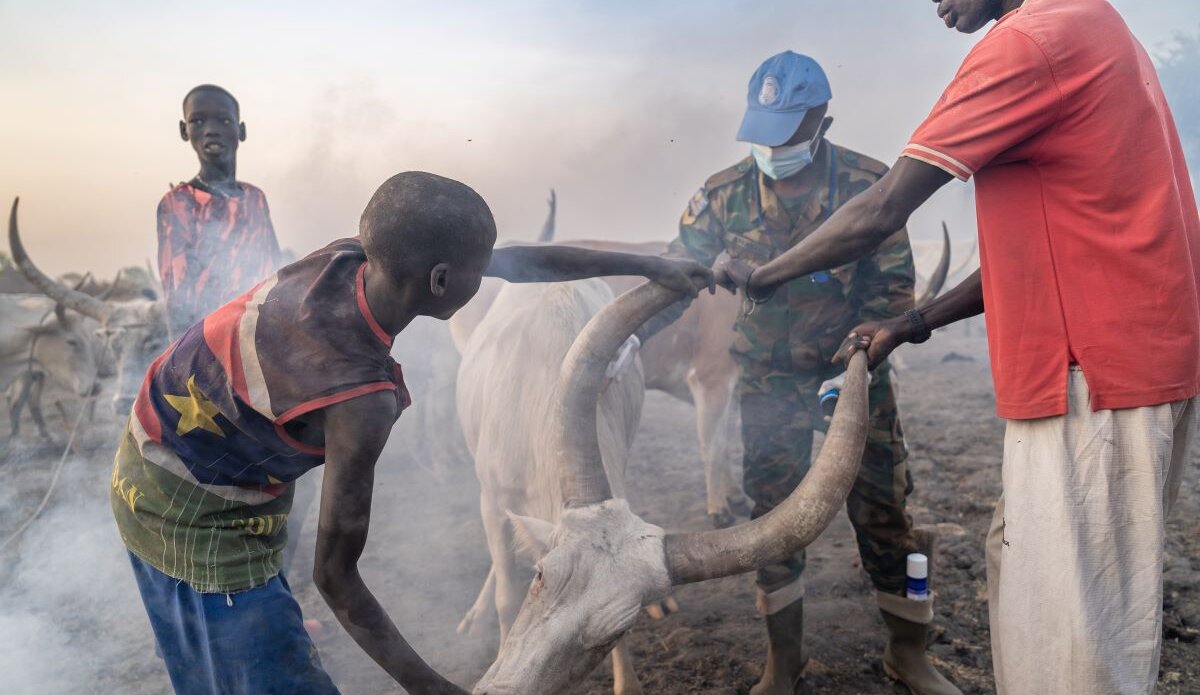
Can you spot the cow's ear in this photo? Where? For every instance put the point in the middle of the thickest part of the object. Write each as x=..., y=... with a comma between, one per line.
x=532, y=535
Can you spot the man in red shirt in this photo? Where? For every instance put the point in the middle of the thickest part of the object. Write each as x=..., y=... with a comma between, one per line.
x=215, y=238
x=1090, y=249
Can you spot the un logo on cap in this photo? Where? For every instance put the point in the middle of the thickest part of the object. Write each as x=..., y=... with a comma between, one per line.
x=769, y=93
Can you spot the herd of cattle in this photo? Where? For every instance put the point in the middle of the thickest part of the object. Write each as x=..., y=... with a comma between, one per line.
x=74, y=336
x=549, y=396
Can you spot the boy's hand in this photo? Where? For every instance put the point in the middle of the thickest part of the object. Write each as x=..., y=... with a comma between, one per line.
x=878, y=338
x=682, y=275
x=731, y=273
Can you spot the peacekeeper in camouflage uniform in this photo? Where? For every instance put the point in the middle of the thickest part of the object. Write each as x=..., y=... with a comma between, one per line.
x=754, y=211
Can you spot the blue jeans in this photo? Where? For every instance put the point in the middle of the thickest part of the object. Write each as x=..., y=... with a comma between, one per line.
x=250, y=642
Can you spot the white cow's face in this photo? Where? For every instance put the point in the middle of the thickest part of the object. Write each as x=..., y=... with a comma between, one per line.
x=66, y=354
x=597, y=568
x=136, y=333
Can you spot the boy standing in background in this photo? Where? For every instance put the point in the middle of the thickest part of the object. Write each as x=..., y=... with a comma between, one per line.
x=215, y=238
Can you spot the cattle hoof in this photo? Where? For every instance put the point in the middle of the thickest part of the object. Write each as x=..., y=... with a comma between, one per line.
x=722, y=519
x=661, y=609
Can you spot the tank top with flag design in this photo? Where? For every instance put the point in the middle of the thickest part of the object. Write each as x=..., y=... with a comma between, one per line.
x=202, y=482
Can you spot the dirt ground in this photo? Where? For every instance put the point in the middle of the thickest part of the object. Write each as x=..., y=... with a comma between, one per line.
x=70, y=620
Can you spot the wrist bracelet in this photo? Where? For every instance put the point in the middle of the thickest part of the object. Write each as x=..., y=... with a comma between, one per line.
x=920, y=330
x=751, y=297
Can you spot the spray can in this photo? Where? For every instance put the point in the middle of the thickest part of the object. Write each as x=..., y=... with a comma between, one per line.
x=831, y=390
x=918, y=577
x=828, y=394
x=624, y=358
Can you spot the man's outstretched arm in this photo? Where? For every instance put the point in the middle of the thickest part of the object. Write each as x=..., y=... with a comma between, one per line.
x=355, y=432
x=853, y=231
x=558, y=263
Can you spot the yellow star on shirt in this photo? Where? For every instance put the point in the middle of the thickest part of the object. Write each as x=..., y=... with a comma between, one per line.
x=195, y=411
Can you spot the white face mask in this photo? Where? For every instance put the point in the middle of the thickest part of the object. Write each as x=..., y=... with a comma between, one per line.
x=788, y=160
x=783, y=162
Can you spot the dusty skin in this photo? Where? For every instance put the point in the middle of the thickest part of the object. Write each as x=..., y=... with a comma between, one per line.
x=70, y=620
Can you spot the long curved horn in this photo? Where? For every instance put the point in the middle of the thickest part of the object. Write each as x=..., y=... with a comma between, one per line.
x=938, y=279
x=776, y=536
x=72, y=299
x=576, y=443
x=60, y=311
x=547, y=234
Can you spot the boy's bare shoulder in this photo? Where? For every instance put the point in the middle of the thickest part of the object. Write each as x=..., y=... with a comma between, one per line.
x=364, y=421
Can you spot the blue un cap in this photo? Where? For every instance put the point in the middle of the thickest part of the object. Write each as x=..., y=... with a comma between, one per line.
x=781, y=91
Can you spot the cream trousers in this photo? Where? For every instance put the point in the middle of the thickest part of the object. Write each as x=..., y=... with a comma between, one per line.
x=1076, y=543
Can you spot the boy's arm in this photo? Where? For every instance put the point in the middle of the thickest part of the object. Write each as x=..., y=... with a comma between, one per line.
x=355, y=432
x=701, y=238
x=558, y=263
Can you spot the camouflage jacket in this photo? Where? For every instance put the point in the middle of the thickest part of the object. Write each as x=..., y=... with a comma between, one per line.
x=800, y=328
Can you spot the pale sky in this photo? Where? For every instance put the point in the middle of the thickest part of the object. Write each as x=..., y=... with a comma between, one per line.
x=624, y=107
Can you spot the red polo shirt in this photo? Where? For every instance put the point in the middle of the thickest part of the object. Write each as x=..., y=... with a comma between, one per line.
x=1088, y=232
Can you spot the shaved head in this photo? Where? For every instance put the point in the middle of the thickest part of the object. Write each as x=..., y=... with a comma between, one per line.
x=417, y=220
x=215, y=90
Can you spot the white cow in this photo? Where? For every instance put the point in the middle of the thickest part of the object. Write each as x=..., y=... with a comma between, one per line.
x=599, y=562
x=688, y=359
x=506, y=394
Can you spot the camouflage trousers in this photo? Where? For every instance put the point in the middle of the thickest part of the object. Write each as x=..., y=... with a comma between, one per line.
x=779, y=415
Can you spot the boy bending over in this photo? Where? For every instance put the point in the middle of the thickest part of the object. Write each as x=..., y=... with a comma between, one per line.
x=291, y=375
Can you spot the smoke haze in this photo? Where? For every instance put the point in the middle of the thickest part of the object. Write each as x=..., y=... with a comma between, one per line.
x=624, y=109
